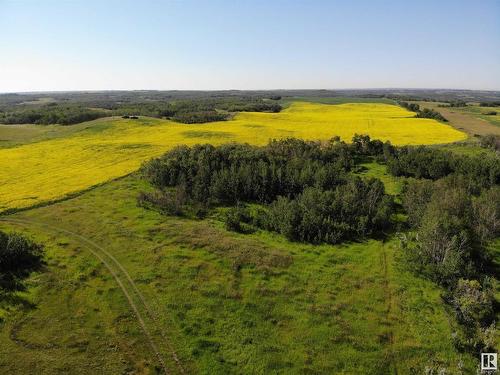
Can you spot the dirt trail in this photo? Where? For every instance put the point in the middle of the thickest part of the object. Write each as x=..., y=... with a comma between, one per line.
x=108, y=260
x=390, y=301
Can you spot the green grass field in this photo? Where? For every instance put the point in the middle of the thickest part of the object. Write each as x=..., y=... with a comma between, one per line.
x=481, y=112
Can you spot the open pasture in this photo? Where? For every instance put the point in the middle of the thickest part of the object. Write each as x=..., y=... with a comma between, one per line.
x=47, y=170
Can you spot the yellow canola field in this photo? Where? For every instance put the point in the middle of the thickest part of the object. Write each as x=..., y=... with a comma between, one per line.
x=48, y=170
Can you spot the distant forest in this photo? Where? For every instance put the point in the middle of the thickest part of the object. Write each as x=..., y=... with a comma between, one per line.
x=68, y=108
x=185, y=111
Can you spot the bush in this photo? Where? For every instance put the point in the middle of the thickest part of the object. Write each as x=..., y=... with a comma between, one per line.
x=473, y=304
x=19, y=256
x=490, y=141
x=234, y=217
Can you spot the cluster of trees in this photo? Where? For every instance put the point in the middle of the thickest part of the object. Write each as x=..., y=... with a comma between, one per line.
x=457, y=103
x=19, y=256
x=422, y=113
x=490, y=141
x=450, y=231
x=50, y=114
x=239, y=172
x=350, y=211
x=490, y=104
x=430, y=113
x=194, y=111
x=481, y=171
x=304, y=187
x=414, y=107
x=188, y=111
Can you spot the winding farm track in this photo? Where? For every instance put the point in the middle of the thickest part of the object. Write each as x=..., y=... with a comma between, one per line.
x=117, y=270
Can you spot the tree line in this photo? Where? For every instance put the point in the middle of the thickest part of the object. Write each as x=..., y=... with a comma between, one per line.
x=490, y=104
x=422, y=113
x=184, y=111
x=51, y=114
x=450, y=230
x=478, y=171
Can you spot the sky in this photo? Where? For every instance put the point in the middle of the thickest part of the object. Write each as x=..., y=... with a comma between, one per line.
x=253, y=44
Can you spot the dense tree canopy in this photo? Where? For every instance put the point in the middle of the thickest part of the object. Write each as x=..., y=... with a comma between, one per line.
x=305, y=186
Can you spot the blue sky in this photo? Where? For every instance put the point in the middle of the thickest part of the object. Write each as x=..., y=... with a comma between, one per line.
x=236, y=44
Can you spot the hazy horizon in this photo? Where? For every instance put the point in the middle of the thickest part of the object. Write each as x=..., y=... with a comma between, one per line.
x=251, y=90
x=194, y=45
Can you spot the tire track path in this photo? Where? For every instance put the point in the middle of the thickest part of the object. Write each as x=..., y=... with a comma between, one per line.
x=108, y=260
x=390, y=301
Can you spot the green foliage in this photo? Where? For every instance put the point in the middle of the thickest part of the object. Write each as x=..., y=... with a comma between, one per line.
x=190, y=111
x=19, y=256
x=422, y=113
x=490, y=141
x=235, y=172
x=51, y=114
x=443, y=250
x=352, y=211
x=430, y=113
x=478, y=171
x=196, y=111
x=414, y=107
x=312, y=197
x=490, y=104
x=473, y=303
x=234, y=217
x=452, y=229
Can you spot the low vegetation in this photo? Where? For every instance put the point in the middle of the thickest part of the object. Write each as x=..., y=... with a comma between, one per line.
x=490, y=141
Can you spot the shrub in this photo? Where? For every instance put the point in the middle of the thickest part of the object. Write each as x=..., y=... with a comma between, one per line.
x=473, y=304
x=234, y=217
x=19, y=256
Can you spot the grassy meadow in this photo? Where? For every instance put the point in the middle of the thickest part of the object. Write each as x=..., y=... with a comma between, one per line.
x=59, y=161
x=225, y=302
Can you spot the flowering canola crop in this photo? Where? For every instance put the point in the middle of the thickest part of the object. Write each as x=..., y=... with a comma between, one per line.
x=48, y=170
